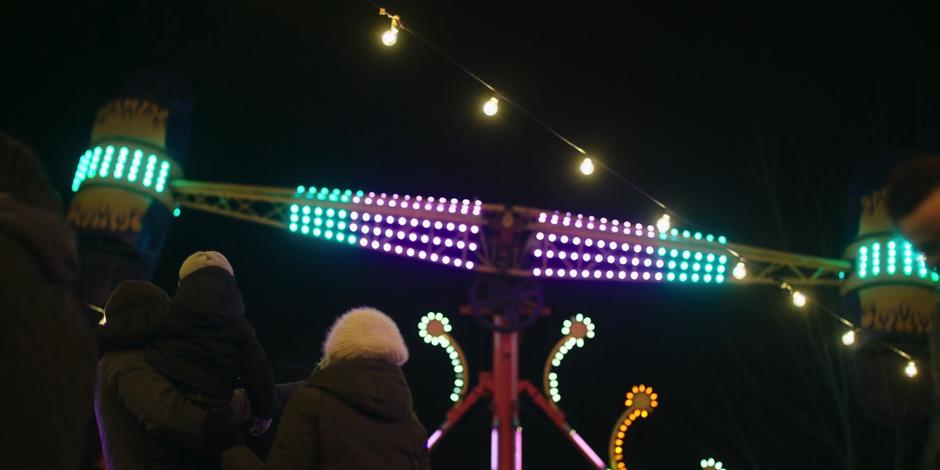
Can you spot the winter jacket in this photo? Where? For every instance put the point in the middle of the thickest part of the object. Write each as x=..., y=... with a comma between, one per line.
x=354, y=414
x=200, y=340
x=47, y=351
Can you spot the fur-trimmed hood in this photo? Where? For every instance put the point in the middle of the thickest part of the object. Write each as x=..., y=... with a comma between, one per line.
x=364, y=333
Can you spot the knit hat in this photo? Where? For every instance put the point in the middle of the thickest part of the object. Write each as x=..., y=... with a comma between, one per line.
x=364, y=333
x=129, y=295
x=204, y=259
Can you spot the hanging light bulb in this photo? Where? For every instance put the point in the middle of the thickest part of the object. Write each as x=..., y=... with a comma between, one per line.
x=848, y=338
x=740, y=271
x=587, y=166
x=799, y=299
x=911, y=369
x=663, y=224
x=491, y=107
x=390, y=37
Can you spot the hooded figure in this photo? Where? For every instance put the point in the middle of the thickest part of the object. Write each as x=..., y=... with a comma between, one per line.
x=355, y=411
x=48, y=354
x=200, y=340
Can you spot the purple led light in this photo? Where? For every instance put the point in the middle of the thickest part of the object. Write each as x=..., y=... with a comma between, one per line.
x=469, y=265
x=434, y=438
x=413, y=222
x=461, y=244
x=457, y=262
x=586, y=257
x=448, y=242
x=613, y=246
x=576, y=240
x=537, y=253
x=598, y=258
x=585, y=273
x=366, y=217
x=622, y=275
x=549, y=272
x=601, y=244
x=634, y=275
x=494, y=449
x=398, y=249
x=437, y=241
x=561, y=273
x=411, y=252
x=610, y=274
x=375, y=244
x=598, y=274
x=552, y=237
x=354, y=215
x=434, y=257
x=462, y=228
x=573, y=272
x=588, y=242
x=413, y=237
x=659, y=276
x=540, y=236
x=425, y=238
x=586, y=449
x=536, y=271
x=363, y=242
x=472, y=246
x=387, y=247
x=549, y=254
x=446, y=260
x=474, y=229
x=422, y=254
x=518, y=456
x=562, y=255
x=646, y=276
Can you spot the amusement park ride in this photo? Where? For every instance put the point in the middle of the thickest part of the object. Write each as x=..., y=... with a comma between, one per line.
x=129, y=184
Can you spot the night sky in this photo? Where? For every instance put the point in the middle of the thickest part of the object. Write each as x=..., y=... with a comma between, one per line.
x=748, y=122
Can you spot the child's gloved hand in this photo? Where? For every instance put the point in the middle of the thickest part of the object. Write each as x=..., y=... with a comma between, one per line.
x=260, y=426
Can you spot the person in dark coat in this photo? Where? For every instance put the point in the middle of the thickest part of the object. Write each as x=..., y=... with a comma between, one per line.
x=201, y=341
x=355, y=411
x=143, y=421
x=47, y=350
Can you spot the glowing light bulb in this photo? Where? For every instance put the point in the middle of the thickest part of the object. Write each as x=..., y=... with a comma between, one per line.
x=587, y=166
x=911, y=369
x=663, y=224
x=740, y=271
x=799, y=299
x=491, y=107
x=390, y=37
x=848, y=338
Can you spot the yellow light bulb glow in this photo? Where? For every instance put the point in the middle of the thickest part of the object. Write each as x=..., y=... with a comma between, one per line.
x=911, y=369
x=848, y=338
x=491, y=107
x=799, y=299
x=587, y=166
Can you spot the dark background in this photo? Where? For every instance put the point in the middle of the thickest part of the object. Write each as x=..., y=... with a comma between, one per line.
x=747, y=121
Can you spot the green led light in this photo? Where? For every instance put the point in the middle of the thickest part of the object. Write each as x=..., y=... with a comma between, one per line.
x=661, y=251
x=722, y=259
x=306, y=210
x=342, y=214
x=721, y=268
x=696, y=267
x=351, y=239
x=935, y=277
x=305, y=230
x=684, y=266
x=341, y=225
x=686, y=234
x=674, y=232
x=340, y=237
x=328, y=234
x=698, y=256
x=719, y=279
x=293, y=227
x=683, y=277
x=710, y=238
x=317, y=232
x=674, y=253
x=329, y=223
x=686, y=254
x=294, y=217
x=330, y=212
x=709, y=268
x=301, y=189
x=722, y=239
x=318, y=221
x=306, y=219
x=694, y=277
x=698, y=235
x=710, y=258
x=294, y=208
x=672, y=264
x=360, y=193
x=707, y=278
x=318, y=211
x=671, y=277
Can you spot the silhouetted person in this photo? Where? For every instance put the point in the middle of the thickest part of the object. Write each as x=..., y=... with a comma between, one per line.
x=356, y=409
x=47, y=355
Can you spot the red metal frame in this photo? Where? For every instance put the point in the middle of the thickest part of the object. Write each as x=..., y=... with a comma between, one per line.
x=503, y=387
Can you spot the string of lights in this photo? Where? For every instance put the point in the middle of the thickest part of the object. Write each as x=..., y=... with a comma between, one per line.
x=590, y=162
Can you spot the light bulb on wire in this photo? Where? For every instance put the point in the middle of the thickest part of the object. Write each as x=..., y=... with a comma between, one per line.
x=740, y=271
x=663, y=224
x=491, y=107
x=390, y=37
x=848, y=338
x=911, y=369
x=799, y=299
x=587, y=166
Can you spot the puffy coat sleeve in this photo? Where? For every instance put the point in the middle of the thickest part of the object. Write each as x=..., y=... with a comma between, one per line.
x=296, y=444
x=256, y=375
x=132, y=329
